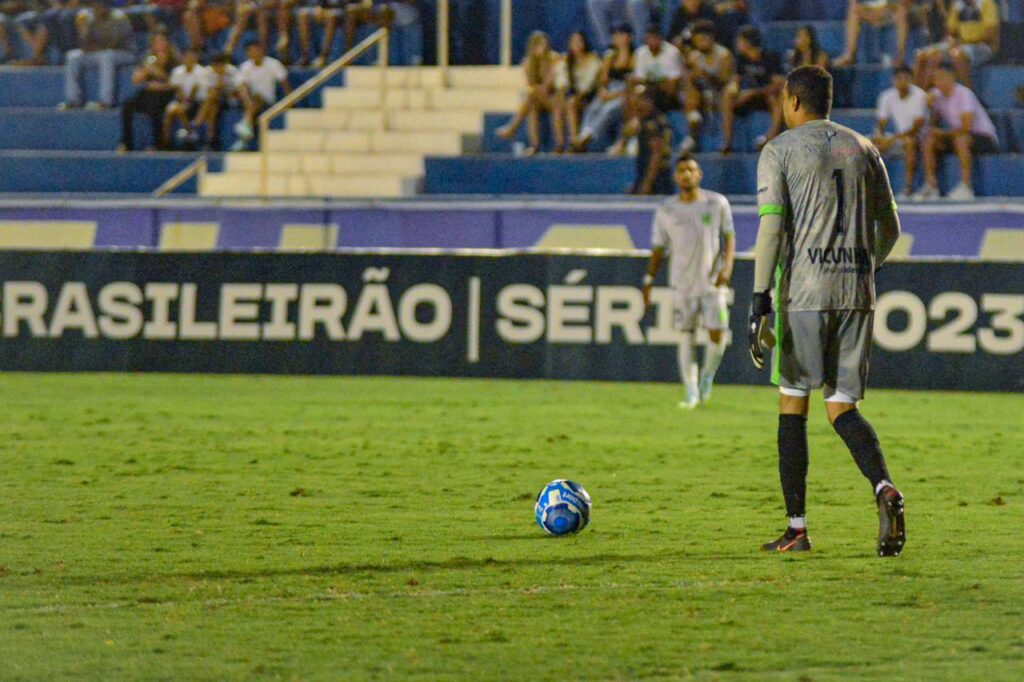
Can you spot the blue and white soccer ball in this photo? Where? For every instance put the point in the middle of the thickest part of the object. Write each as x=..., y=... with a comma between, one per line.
x=563, y=507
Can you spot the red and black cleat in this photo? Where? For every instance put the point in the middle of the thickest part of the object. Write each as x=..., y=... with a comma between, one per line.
x=892, y=532
x=792, y=540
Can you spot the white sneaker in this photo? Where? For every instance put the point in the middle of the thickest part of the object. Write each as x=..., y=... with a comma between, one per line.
x=961, y=193
x=689, y=403
x=633, y=147
x=243, y=130
x=926, y=193
x=687, y=145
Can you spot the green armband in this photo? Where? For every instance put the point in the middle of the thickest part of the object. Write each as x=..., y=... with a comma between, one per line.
x=771, y=209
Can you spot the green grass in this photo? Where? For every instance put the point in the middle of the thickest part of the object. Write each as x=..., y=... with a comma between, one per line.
x=172, y=527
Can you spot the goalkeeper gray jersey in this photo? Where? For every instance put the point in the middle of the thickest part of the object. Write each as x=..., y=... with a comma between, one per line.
x=830, y=185
x=693, y=234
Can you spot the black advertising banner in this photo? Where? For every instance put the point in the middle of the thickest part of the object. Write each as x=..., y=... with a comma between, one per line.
x=939, y=325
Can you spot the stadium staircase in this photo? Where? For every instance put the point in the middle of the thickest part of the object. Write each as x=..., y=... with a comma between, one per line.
x=356, y=145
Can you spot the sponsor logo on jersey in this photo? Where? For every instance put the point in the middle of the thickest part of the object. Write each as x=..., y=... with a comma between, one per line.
x=839, y=255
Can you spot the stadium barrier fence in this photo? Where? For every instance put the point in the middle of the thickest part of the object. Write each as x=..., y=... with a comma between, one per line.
x=514, y=314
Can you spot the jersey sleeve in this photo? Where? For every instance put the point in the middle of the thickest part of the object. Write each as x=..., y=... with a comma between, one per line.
x=659, y=236
x=771, y=183
x=728, y=226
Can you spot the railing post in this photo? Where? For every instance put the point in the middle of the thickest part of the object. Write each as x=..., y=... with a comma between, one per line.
x=264, y=157
x=506, y=32
x=443, y=17
x=383, y=57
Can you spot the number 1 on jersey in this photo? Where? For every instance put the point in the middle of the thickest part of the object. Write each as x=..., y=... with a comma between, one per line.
x=839, y=176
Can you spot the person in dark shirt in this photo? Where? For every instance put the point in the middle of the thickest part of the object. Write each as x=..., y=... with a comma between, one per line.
x=155, y=92
x=689, y=12
x=757, y=86
x=654, y=133
x=107, y=41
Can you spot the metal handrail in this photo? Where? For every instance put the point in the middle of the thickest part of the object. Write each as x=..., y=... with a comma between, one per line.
x=197, y=167
x=288, y=101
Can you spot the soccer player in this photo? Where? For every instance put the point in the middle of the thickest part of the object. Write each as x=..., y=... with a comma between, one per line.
x=695, y=227
x=827, y=222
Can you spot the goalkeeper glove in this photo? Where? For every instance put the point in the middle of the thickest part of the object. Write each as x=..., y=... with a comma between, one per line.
x=759, y=332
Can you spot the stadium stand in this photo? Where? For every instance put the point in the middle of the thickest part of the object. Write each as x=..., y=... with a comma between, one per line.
x=441, y=140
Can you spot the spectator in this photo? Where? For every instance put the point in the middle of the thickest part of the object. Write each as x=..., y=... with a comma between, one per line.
x=398, y=14
x=204, y=19
x=876, y=13
x=606, y=108
x=107, y=40
x=659, y=68
x=329, y=14
x=711, y=67
x=153, y=15
x=540, y=65
x=930, y=15
x=972, y=39
x=732, y=15
x=221, y=92
x=576, y=83
x=965, y=127
x=689, y=12
x=246, y=12
x=190, y=81
x=153, y=78
x=285, y=11
x=653, y=174
x=258, y=79
x=806, y=50
x=906, y=106
x=605, y=14
x=757, y=85
x=56, y=22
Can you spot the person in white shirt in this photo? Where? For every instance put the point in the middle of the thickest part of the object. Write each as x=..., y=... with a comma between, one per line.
x=659, y=68
x=906, y=106
x=258, y=78
x=221, y=91
x=190, y=81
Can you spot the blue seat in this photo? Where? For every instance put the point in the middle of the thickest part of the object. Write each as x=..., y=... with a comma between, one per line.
x=90, y=172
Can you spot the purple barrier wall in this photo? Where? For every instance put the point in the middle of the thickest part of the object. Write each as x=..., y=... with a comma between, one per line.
x=936, y=230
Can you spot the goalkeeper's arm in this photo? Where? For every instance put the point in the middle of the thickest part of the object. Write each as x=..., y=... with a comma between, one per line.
x=766, y=255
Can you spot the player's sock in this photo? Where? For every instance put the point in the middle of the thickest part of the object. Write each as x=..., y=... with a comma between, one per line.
x=712, y=359
x=798, y=522
x=685, y=366
x=793, y=462
x=863, y=443
x=884, y=483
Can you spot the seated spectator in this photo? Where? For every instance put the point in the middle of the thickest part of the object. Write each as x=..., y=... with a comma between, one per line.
x=247, y=12
x=972, y=40
x=604, y=14
x=757, y=85
x=876, y=13
x=711, y=68
x=258, y=79
x=906, y=106
x=203, y=19
x=540, y=65
x=930, y=16
x=153, y=78
x=221, y=92
x=659, y=69
x=154, y=15
x=396, y=14
x=964, y=126
x=55, y=23
x=606, y=108
x=190, y=81
x=329, y=14
x=654, y=132
x=689, y=12
x=107, y=40
x=576, y=83
x=732, y=15
x=806, y=50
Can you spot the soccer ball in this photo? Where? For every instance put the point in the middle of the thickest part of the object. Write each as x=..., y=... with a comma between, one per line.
x=563, y=507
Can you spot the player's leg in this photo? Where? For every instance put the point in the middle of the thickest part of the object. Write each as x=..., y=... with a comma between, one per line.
x=797, y=367
x=715, y=317
x=684, y=318
x=849, y=349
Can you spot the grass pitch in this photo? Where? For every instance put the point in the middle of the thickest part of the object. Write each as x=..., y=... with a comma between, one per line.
x=178, y=527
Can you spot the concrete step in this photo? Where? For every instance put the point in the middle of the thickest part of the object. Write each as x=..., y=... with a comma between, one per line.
x=415, y=142
x=338, y=164
x=469, y=99
x=426, y=76
x=408, y=121
x=234, y=184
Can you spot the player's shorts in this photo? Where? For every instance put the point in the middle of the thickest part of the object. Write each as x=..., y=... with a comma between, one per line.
x=826, y=349
x=710, y=311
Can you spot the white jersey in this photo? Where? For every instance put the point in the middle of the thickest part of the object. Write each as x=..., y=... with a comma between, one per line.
x=262, y=78
x=193, y=84
x=693, y=235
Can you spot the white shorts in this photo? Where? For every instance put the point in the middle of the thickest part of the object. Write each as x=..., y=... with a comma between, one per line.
x=710, y=311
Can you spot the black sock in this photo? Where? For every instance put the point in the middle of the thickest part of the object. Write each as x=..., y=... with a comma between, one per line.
x=863, y=443
x=793, y=462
